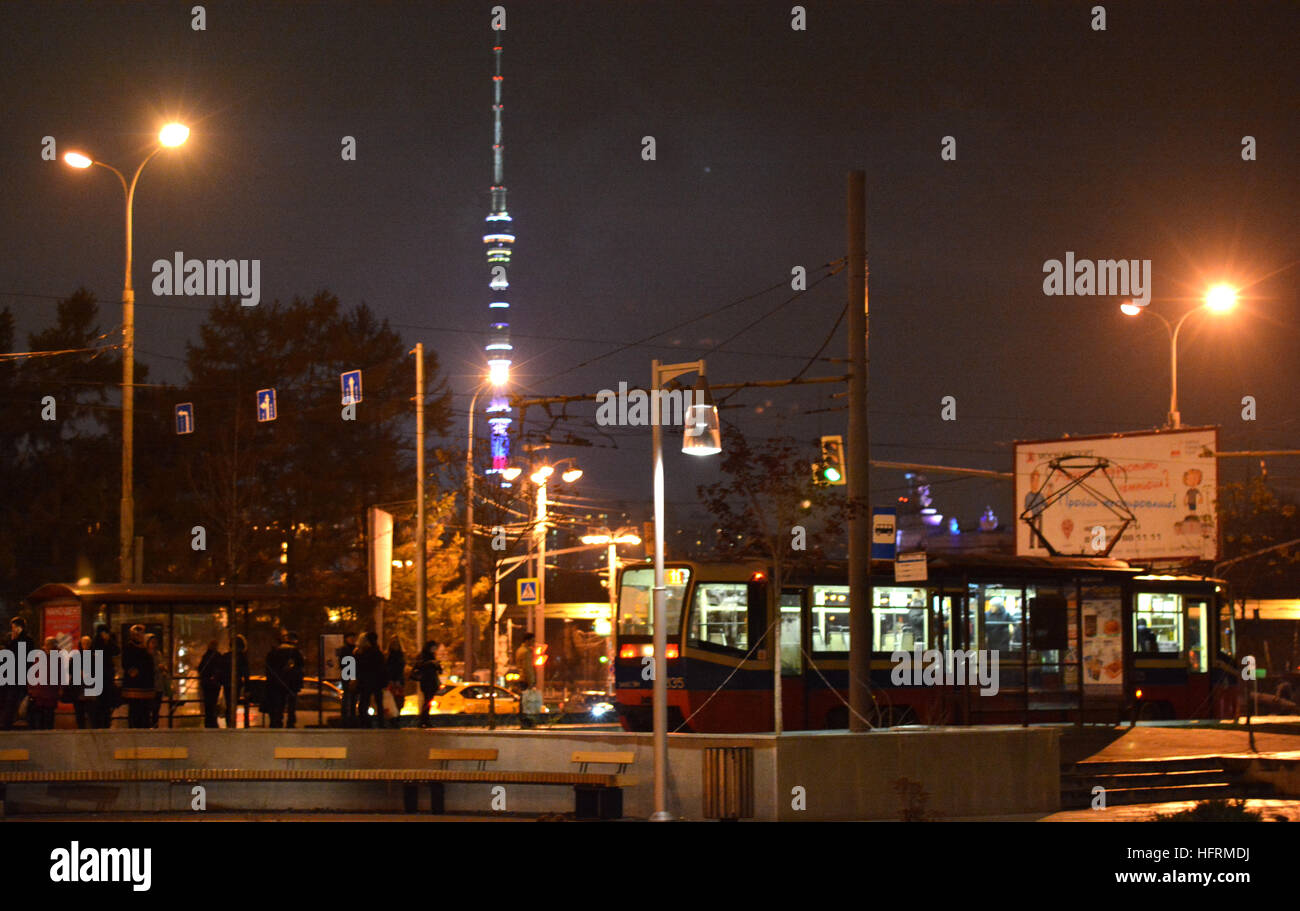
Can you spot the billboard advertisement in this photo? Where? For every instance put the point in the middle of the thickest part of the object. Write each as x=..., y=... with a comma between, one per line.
x=1166, y=481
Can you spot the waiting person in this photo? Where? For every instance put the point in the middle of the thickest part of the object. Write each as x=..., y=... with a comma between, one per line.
x=428, y=673
x=284, y=666
x=83, y=706
x=235, y=690
x=348, y=683
x=210, y=681
x=138, y=679
x=997, y=627
x=372, y=674
x=44, y=695
x=13, y=694
x=107, y=701
x=1146, y=638
x=529, y=698
x=162, y=678
x=395, y=671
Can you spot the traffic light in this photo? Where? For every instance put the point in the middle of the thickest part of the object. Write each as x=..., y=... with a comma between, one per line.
x=539, y=655
x=830, y=467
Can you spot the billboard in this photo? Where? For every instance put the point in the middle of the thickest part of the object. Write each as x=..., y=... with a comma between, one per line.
x=1165, y=480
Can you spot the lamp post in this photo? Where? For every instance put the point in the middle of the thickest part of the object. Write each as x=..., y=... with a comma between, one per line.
x=612, y=539
x=702, y=437
x=170, y=136
x=541, y=477
x=1218, y=299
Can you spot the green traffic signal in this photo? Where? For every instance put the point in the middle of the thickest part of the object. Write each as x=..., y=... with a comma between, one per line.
x=831, y=474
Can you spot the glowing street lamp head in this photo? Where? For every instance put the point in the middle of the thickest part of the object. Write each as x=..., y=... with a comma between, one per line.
x=1221, y=298
x=498, y=372
x=1128, y=308
x=511, y=473
x=541, y=475
x=571, y=475
x=77, y=160
x=173, y=134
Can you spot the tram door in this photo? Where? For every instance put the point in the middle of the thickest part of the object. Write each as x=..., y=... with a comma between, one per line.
x=794, y=702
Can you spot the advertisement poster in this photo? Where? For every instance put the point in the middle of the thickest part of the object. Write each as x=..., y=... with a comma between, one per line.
x=1166, y=480
x=62, y=620
x=1103, y=651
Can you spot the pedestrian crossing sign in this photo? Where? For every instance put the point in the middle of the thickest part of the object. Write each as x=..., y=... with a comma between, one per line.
x=526, y=589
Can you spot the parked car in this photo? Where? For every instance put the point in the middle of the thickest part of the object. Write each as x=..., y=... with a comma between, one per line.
x=316, y=697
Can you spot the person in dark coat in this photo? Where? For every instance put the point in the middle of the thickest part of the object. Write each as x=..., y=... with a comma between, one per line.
x=44, y=695
x=241, y=678
x=349, y=684
x=428, y=673
x=83, y=706
x=101, y=715
x=395, y=671
x=284, y=666
x=210, y=682
x=372, y=674
x=138, y=680
x=12, y=695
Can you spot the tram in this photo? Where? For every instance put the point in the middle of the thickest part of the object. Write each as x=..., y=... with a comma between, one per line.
x=1075, y=639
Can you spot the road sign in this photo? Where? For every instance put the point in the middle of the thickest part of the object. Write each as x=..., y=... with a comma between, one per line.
x=351, y=383
x=526, y=591
x=884, y=525
x=185, y=417
x=910, y=567
x=265, y=405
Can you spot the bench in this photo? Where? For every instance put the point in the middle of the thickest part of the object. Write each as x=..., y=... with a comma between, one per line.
x=597, y=795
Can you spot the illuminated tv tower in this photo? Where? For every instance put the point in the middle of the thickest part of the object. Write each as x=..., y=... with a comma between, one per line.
x=499, y=239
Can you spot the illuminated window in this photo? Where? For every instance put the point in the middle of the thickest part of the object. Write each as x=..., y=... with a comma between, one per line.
x=634, y=600
x=899, y=617
x=1158, y=625
x=720, y=614
x=830, y=618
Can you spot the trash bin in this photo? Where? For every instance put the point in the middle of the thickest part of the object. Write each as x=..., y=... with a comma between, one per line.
x=729, y=783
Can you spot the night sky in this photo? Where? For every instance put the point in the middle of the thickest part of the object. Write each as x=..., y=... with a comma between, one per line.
x=1117, y=144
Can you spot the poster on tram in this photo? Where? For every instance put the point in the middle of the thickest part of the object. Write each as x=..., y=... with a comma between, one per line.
x=1080, y=490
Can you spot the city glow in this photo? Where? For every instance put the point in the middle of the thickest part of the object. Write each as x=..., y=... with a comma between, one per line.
x=174, y=134
x=1221, y=298
x=77, y=160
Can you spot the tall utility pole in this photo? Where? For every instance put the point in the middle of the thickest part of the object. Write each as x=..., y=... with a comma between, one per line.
x=421, y=542
x=539, y=625
x=859, y=459
x=469, y=540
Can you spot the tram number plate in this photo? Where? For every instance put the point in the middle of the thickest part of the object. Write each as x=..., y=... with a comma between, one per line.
x=676, y=683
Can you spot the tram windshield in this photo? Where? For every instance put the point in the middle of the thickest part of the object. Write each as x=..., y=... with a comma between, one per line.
x=635, y=597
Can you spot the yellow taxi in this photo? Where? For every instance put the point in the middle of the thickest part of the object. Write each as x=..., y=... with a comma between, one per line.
x=473, y=699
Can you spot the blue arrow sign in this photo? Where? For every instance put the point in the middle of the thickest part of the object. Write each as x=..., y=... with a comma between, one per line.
x=351, y=383
x=185, y=417
x=265, y=405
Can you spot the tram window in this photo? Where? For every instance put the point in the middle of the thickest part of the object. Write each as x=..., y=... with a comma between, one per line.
x=830, y=618
x=1003, y=615
x=899, y=617
x=635, y=595
x=1158, y=624
x=720, y=614
x=1198, y=630
x=791, y=633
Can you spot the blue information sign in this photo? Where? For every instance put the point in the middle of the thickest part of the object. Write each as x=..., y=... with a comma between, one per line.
x=265, y=405
x=351, y=383
x=884, y=528
x=185, y=417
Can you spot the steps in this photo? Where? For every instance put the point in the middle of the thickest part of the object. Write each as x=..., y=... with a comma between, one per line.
x=1153, y=781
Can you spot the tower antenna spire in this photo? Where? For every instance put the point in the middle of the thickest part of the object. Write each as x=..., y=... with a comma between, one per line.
x=499, y=240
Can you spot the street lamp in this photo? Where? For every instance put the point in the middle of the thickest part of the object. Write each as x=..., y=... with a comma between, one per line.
x=1219, y=298
x=703, y=436
x=170, y=136
x=612, y=539
x=498, y=376
x=540, y=478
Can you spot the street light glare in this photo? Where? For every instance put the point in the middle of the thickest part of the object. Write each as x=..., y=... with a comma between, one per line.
x=541, y=475
x=511, y=473
x=1221, y=298
x=1128, y=308
x=498, y=372
x=173, y=134
x=571, y=475
x=77, y=160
